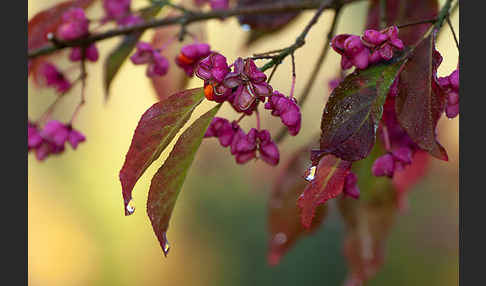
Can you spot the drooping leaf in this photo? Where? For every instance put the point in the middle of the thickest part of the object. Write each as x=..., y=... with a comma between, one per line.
x=262, y=25
x=120, y=53
x=175, y=79
x=368, y=220
x=284, y=224
x=354, y=110
x=418, y=106
x=155, y=130
x=167, y=182
x=45, y=22
x=368, y=223
x=327, y=184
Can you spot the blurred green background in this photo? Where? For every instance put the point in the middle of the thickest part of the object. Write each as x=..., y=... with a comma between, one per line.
x=78, y=234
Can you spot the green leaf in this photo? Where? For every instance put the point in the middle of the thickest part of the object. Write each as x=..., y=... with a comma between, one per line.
x=354, y=110
x=167, y=182
x=155, y=130
x=118, y=55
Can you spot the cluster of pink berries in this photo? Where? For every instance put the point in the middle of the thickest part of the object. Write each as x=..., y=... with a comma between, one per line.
x=243, y=86
x=157, y=65
x=243, y=145
x=120, y=12
x=372, y=47
x=52, y=138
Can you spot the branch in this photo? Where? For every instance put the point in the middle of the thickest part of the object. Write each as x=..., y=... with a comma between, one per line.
x=185, y=19
x=300, y=40
x=317, y=67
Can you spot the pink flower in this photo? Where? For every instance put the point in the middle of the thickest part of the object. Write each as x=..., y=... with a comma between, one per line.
x=450, y=86
x=74, y=25
x=372, y=47
x=55, y=78
x=190, y=56
x=52, y=138
x=212, y=68
x=158, y=65
x=250, y=83
x=33, y=136
x=75, y=137
x=91, y=53
x=268, y=150
x=288, y=111
x=384, y=166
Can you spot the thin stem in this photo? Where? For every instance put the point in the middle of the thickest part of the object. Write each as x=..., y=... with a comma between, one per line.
x=417, y=23
x=300, y=40
x=240, y=118
x=315, y=71
x=257, y=114
x=45, y=116
x=292, y=87
x=186, y=18
x=272, y=73
x=453, y=32
x=83, y=88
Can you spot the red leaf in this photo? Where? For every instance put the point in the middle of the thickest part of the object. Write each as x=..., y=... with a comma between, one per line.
x=284, y=224
x=155, y=130
x=45, y=22
x=327, y=184
x=167, y=182
x=418, y=107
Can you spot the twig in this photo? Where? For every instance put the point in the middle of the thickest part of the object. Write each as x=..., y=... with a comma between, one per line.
x=83, y=77
x=272, y=73
x=453, y=32
x=187, y=18
x=300, y=40
x=417, y=23
x=315, y=71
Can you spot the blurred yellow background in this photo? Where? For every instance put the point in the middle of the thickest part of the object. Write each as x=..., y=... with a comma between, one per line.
x=78, y=234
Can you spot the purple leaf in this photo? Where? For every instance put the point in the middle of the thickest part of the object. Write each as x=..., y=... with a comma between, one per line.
x=155, y=130
x=353, y=111
x=167, y=182
x=418, y=107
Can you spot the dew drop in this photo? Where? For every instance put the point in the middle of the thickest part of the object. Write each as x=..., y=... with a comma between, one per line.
x=165, y=244
x=280, y=238
x=310, y=174
x=246, y=27
x=130, y=209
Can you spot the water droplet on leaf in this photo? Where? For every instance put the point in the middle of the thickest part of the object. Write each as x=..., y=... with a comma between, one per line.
x=246, y=27
x=165, y=245
x=130, y=209
x=310, y=174
x=280, y=238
